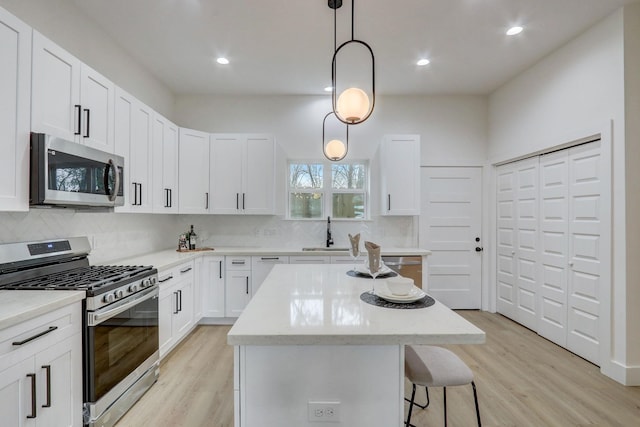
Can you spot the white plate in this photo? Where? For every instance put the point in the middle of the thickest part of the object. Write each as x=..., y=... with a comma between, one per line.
x=414, y=295
x=383, y=271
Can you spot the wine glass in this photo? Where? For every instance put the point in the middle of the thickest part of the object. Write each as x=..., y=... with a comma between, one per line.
x=374, y=265
x=354, y=252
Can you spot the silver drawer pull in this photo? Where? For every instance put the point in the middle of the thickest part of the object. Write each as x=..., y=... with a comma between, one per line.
x=186, y=270
x=165, y=279
x=237, y=262
x=51, y=329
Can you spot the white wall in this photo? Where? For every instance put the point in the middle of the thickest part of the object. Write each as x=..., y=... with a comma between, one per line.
x=558, y=100
x=66, y=25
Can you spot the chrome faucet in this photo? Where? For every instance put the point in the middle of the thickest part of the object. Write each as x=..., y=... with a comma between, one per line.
x=329, y=239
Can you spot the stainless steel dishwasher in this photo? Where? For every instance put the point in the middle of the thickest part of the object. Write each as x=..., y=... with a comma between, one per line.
x=406, y=266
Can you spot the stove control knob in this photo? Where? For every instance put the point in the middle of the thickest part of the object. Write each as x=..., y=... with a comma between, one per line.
x=133, y=288
x=154, y=280
x=108, y=298
x=119, y=294
x=146, y=283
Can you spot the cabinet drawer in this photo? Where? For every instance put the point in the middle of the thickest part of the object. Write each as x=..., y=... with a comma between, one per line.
x=238, y=262
x=170, y=277
x=31, y=336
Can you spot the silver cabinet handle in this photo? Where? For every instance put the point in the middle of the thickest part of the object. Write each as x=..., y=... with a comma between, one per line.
x=177, y=310
x=186, y=270
x=220, y=269
x=247, y=285
x=165, y=279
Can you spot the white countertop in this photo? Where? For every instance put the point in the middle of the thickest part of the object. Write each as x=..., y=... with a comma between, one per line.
x=19, y=306
x=163, y=260
x=320, y=305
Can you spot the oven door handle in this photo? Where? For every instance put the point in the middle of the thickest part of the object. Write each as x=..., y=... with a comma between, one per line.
x=94, y=319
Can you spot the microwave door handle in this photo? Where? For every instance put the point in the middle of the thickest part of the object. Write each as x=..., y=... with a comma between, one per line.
x=116, y=185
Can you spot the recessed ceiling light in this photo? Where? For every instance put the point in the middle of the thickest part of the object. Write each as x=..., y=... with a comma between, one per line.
x=423, y=61
x=514, y=30
x=222, y=61
x=328, y=89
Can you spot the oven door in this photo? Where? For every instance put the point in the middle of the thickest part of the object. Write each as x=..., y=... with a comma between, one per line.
x=121, y=345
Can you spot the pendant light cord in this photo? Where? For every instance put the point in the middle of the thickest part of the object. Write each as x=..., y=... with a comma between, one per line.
x=353, y=3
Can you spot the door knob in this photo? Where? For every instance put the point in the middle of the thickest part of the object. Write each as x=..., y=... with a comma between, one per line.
x=479, y=249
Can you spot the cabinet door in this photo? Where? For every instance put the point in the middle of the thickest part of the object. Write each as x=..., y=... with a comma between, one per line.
x=261, y=266
x=59, y=379
x=97, y=97
x=212, y=282
x=227, y=153
x=400, y=175
x=15, y=102
x=183, y=320
x=167, y=306
x=123, y=122
x=259, y=174
x=164, y=166
x=55, y=108
x=139, y=157
x=237, y=292
x=15, y=394
x=193, y=171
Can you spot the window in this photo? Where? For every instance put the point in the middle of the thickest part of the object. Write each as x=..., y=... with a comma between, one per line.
x=321, y=189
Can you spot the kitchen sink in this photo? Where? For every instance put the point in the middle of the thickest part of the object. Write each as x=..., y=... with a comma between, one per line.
x=326, y=249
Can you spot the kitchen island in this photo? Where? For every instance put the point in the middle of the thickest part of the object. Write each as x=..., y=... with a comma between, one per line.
x=307, y=343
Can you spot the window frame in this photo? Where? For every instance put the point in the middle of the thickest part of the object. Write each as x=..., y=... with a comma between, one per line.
x=326, y=190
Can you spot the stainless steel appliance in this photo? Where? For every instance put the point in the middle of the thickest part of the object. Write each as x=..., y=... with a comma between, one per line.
x=120, y=318
x=406, y=266
x=64, y=173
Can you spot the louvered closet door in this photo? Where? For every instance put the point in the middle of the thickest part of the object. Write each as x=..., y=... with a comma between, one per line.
x=554, y=211
x=527, y=242
x=585, y=250
x=506, y=238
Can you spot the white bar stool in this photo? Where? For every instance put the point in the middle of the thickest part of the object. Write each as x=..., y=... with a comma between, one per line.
x=431, y=366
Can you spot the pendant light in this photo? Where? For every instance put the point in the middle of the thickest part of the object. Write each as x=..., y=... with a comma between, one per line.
x=332, y=146
x=352, y=106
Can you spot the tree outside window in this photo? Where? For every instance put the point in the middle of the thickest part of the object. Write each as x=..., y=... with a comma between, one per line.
x=343, y=195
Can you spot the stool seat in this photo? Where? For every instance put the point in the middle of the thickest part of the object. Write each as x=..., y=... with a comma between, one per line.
x=431, y=366
x=435, y=367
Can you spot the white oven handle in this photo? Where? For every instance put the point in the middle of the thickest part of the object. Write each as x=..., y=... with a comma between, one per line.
x=95, y=318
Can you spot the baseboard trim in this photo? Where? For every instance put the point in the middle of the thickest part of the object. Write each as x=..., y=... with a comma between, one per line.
x=625, y=375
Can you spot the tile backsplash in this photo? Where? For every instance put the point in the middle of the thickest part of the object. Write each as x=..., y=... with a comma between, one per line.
x=114, y=236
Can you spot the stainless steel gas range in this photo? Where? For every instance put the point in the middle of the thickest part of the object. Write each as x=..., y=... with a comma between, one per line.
x=120, y=318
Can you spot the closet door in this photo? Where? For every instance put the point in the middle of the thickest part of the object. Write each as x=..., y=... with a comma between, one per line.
x=506, y=240
x=554, y=226
x=586, y=250
x=527, y=241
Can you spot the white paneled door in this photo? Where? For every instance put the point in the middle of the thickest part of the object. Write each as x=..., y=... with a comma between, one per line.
x=551, y=254
x=450, y=226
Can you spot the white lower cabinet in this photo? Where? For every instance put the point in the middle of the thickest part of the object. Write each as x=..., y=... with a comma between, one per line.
x=41, y=378
x=261, y=267
x=176, y=306
x=309, y=259
x=210, y=281
x=237, y=284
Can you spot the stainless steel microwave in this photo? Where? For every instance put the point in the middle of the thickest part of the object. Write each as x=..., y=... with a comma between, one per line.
x=65, y=173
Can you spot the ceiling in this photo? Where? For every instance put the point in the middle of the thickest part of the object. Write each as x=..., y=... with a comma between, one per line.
x=286, y=46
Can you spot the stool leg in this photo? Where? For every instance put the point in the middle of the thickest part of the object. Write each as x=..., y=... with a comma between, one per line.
x=444, y=398
x=411, y=402
x=475, y=399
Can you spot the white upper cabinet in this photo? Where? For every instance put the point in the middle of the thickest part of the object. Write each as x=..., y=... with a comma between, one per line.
x=15, y=87
x=70, y=100
x=400, y=175
x=242, y=174
x=132, y=131
x=164, y=166
x=193, y=171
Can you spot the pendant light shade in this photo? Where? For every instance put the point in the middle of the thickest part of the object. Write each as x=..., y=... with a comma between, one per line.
x=353, y=104
x=333, y=135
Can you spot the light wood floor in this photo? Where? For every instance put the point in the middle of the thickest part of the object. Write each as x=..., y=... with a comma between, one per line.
x=522, y=379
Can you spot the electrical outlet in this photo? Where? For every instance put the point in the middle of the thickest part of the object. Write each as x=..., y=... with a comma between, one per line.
x=324, y=411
